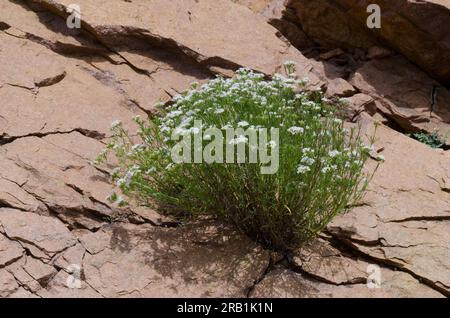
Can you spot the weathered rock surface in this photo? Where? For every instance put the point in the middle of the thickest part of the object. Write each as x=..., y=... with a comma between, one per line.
x=10, y=251
x=322, y=270
x=405, y=95
x=282, y=283
x=202, y=260
x=274, y=11
x=179, y=26
x=404, y=220
x=61, y=237
x=42, y=236
x=417, y=29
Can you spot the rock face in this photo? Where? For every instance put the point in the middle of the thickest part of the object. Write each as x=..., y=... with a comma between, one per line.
x=61, y=237
x=404, y=220
x=405, y=94
x=417, y=29
x=176, y=26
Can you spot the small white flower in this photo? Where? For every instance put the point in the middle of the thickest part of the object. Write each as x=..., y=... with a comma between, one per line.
x=326, y=169
x=333, y=153
x=308, y=161
x=219, y=111
x=120, y=200
x=164, y=129
x=302, y=169
x=174, y=113
x=150, y=170
x=137, y=148
x=120, y=182
x=180, y=131
x=115, y=124
x=294, y=130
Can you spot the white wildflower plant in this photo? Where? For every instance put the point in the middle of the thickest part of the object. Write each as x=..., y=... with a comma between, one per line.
x=320, y=163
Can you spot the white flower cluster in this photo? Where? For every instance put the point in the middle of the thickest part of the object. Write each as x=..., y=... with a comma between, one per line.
x=215, y=98
x=126, y=180
x=294, y=130
x=330, y=162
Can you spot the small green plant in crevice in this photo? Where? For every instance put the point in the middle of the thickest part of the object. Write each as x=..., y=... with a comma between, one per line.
x=319, y=170
x=434, y=139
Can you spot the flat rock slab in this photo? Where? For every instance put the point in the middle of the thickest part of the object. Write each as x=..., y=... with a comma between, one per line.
x=242, y=38
x=199, y=260
x=282, y=283
x=43, y=236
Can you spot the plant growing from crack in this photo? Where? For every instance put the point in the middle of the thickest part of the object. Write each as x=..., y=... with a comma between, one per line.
x=320, y=162
x=434, y=139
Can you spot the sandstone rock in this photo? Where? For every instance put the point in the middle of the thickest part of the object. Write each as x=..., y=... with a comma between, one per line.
x=282, y=283
x=14, y=70
x=48, y=109
x=358, y=103
x=64, y=285
x=71, y=257
x=403, y=220
x=42, y=27
x=328, y=264
x=177, y=26
x=418, y=30
x=10, y=251
x=23, y=278
x=257, y=6
x=377, y=52
x=330, y=54
x=22, y=293
x=340, y=87
x=145, y=261
x=56, y=170
x=48, y=235
x=405, y=95
x=8, y=284
x=13, y=196
x=40, y=271
x=275, y=12
x=328, y=24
